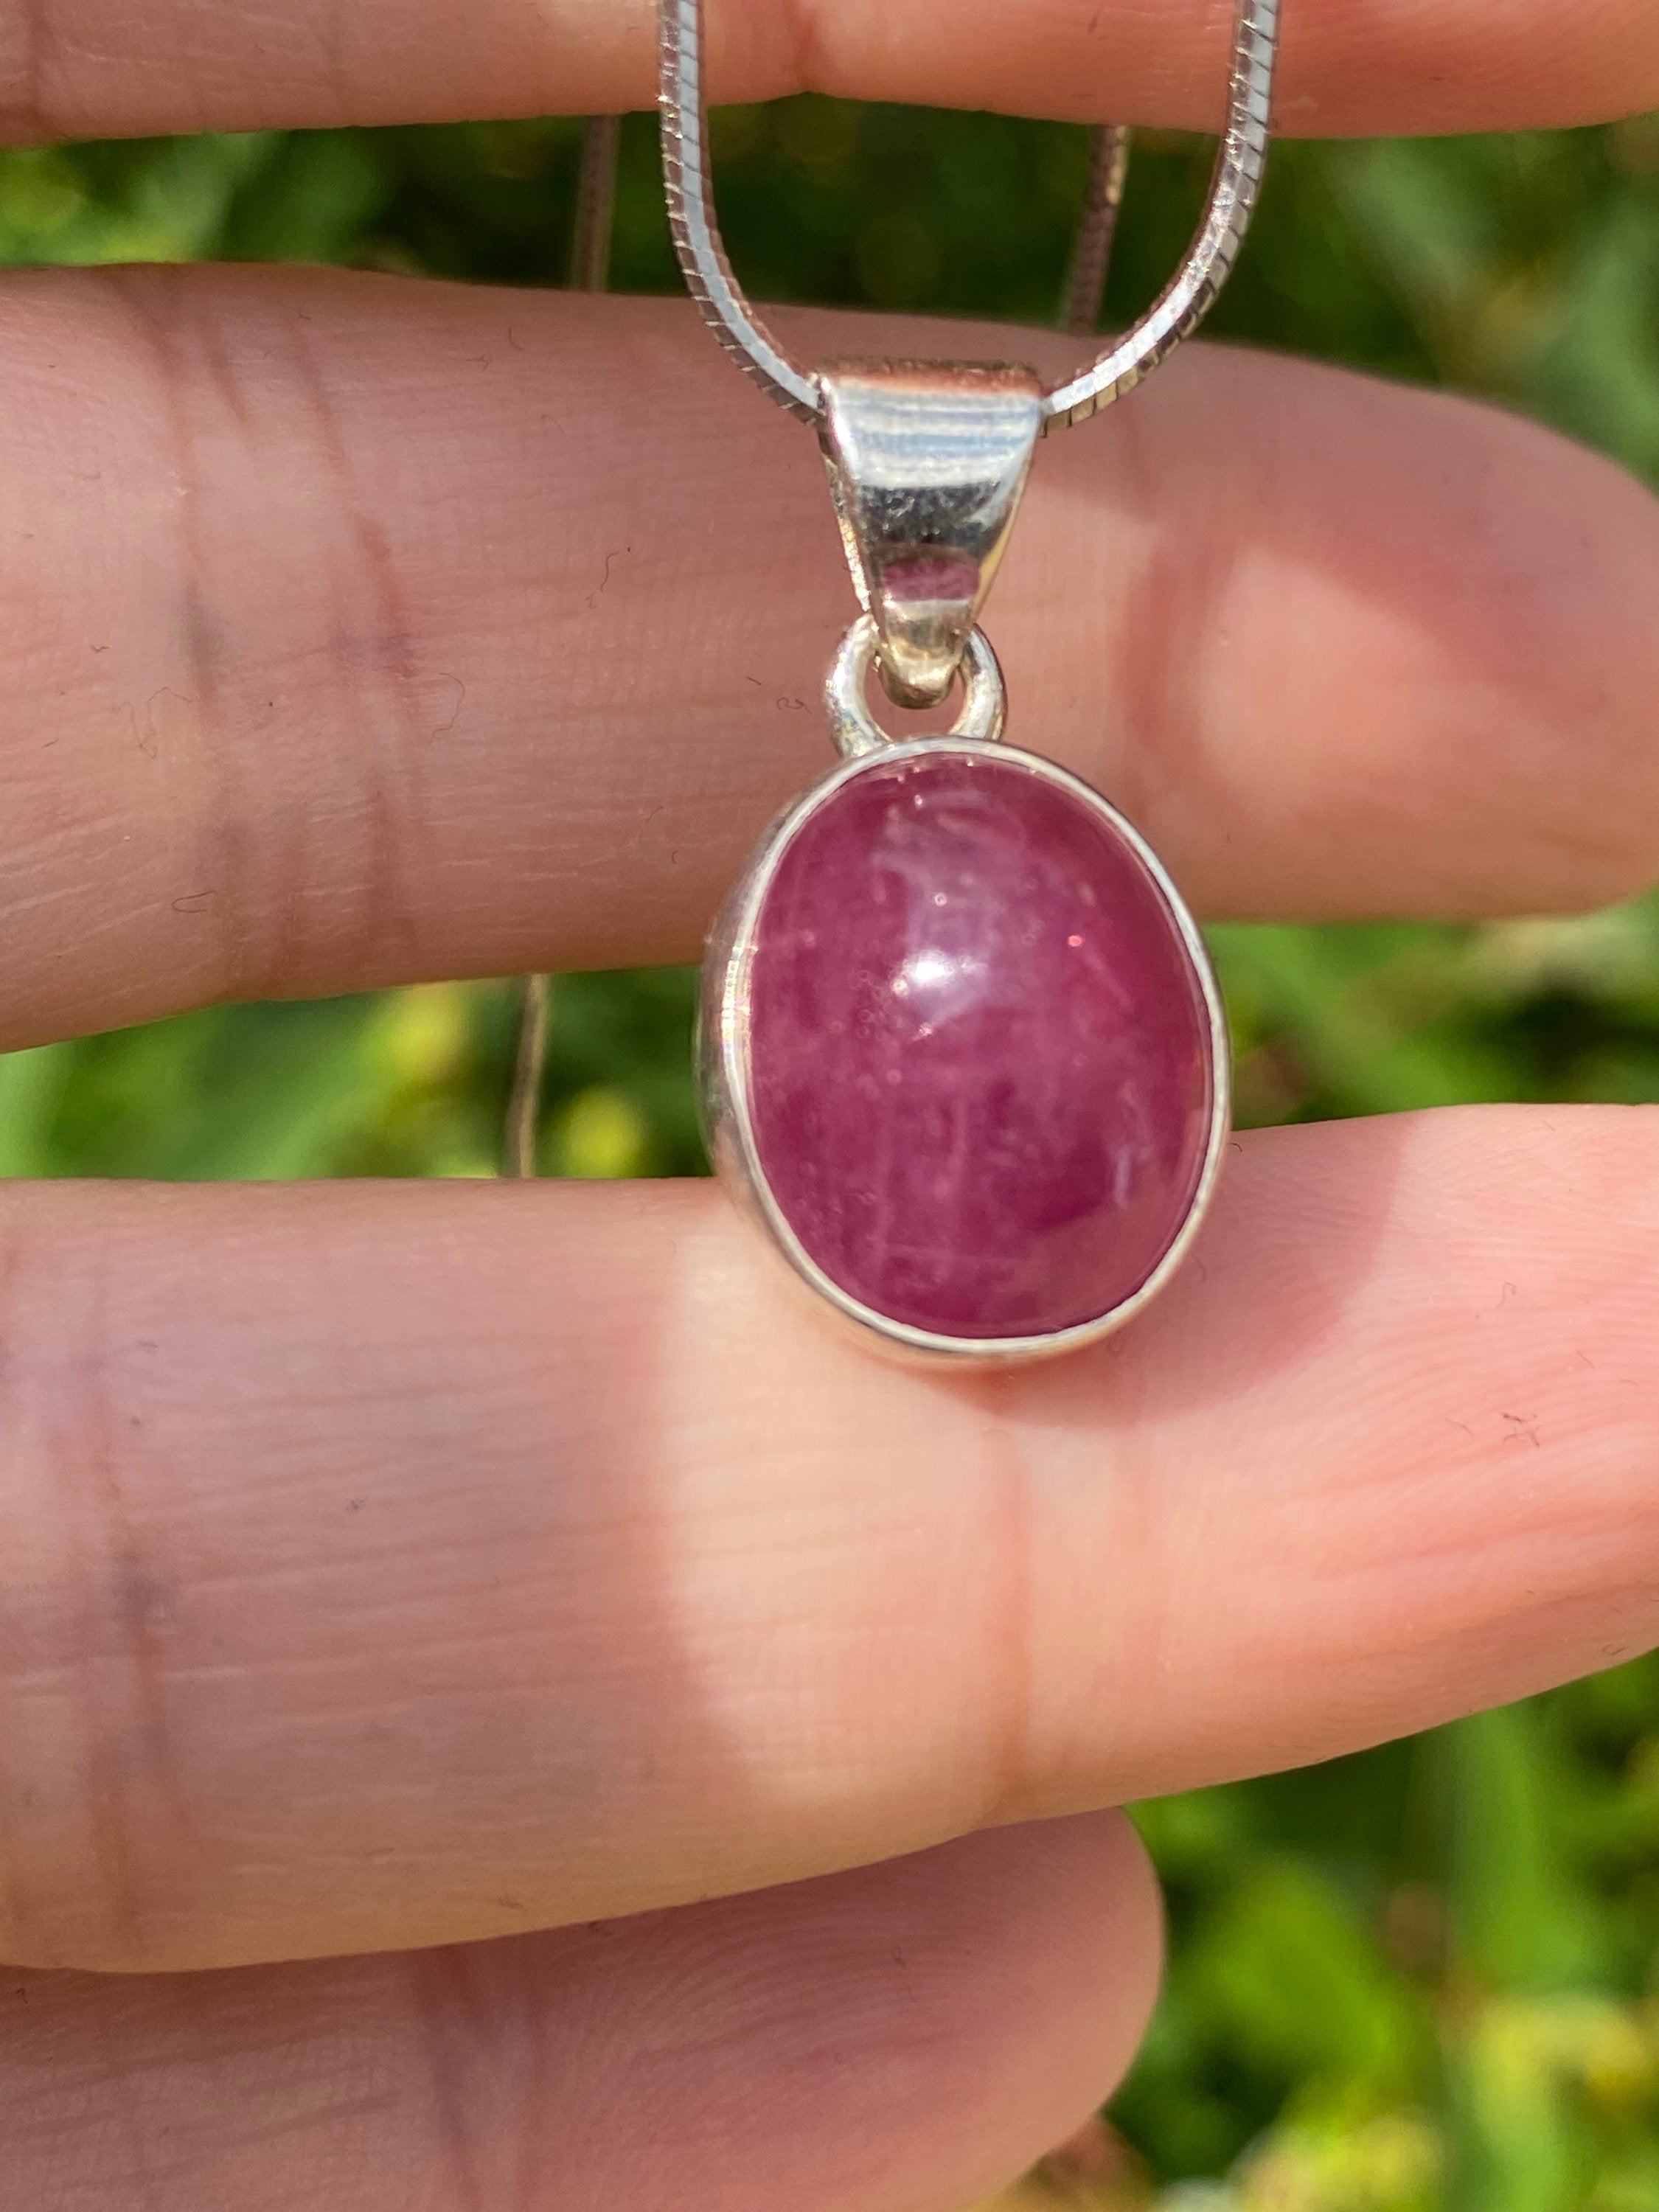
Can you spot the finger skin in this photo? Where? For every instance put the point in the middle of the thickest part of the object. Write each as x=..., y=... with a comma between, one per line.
x=900, y=2040
x=96, y=68
x=382, y=1565
x=361, y=631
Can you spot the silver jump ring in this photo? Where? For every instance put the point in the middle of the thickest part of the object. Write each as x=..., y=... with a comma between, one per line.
x=1235, y=189
x=845, y=693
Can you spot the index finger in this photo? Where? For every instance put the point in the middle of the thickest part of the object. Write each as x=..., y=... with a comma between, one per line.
x=1351, y=68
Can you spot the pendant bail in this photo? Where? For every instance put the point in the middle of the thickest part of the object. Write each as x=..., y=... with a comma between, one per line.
x=926, y=461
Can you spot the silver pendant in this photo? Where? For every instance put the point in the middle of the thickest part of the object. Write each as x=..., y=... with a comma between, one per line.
x=963, y=1058
x=963, y=1055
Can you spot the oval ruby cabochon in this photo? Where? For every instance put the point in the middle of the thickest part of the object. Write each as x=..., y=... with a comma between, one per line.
x=975, y=1052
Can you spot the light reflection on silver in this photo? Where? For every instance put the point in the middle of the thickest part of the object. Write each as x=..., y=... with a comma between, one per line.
x=846, y=695
x=724, y=1067
x=927, y=462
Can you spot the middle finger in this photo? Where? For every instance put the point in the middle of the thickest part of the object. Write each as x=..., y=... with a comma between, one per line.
x=395, y=1564
x=366, y=630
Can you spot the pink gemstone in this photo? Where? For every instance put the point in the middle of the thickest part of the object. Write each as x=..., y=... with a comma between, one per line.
x=982, y=1081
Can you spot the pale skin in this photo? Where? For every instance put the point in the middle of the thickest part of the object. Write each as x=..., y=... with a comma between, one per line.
x=609, y=1741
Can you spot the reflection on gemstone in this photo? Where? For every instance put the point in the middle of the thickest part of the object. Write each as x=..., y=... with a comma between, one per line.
x=932, y=974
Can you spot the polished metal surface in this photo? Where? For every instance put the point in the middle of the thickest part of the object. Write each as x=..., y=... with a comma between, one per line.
x=928, y=461
x=1173, y=316
x=723, y=1094
x=846, y=693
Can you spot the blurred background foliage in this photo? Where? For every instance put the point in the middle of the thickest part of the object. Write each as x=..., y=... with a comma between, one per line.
x=1417, y=1979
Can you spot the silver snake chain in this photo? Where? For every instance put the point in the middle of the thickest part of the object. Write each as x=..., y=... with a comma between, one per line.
x=1241, y=162
x=1176, y=311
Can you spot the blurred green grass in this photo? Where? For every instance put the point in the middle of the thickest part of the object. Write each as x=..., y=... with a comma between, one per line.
x=1417, y=1979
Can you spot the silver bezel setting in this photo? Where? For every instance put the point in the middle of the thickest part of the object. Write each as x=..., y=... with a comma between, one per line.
x=723, y=1065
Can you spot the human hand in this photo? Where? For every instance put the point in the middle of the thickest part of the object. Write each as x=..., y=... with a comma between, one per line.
x=385, y=1569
